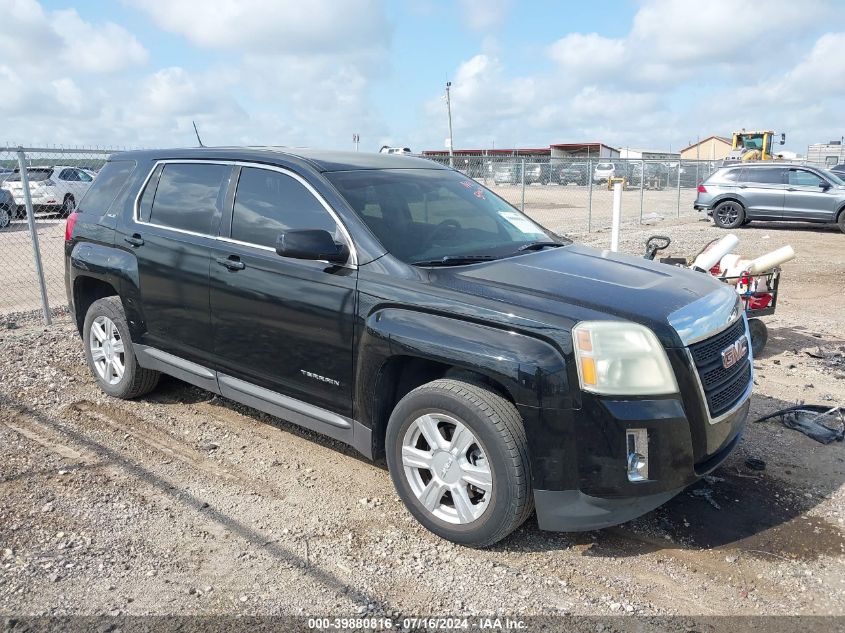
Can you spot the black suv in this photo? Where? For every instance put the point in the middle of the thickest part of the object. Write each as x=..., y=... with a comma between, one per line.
x=400, y=307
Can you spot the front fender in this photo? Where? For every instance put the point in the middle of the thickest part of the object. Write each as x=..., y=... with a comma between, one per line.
x=533, y=371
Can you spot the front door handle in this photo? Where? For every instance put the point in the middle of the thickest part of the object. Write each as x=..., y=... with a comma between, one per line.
x=791, y=189
x=232, y=262
x=135, y=240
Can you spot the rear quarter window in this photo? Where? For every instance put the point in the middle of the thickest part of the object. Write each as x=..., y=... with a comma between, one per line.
x=106, y=186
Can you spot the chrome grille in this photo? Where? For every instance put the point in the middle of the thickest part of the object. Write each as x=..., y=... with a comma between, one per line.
x=723, y=387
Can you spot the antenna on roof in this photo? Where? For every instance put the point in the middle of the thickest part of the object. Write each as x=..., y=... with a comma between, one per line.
x=199, y=140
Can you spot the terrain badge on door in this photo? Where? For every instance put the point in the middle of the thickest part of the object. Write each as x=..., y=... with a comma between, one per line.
x=330, y=381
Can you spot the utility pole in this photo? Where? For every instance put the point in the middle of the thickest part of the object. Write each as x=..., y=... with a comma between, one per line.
x=356, y=138
x=449, y=112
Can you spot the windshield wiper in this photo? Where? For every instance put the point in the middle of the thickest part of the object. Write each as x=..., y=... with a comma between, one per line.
x=455, y=260
x=536, y=246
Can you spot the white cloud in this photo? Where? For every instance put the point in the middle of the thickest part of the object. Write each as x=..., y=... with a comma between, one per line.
x=485, y=15
x=274, y=26
x=37, y=41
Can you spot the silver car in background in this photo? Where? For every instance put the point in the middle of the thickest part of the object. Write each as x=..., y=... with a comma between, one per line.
x=737, y=194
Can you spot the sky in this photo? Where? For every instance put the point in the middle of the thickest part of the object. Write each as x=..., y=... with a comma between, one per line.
x=653, y=74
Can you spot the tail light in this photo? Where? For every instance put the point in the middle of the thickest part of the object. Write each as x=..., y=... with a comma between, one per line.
x=702, y=189
x=71, y=222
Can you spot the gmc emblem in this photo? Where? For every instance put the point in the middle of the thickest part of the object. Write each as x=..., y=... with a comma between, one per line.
x=735, y=352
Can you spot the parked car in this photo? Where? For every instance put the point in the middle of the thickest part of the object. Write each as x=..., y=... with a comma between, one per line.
x=401, y=308
x=53, y=189
x=7, y=204
x=537, y=173
x=604, y=172
x=507, y=173
x=839, y=170
x=692, y=173
x=739, y=193
x=577, y=173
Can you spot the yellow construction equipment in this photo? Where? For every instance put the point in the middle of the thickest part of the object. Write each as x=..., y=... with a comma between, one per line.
x=753, y=145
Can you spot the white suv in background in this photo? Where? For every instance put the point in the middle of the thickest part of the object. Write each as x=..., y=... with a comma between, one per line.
x=604, y=172
x=53, y=189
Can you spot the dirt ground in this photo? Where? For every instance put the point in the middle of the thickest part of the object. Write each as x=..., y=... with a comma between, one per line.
x=185, y=503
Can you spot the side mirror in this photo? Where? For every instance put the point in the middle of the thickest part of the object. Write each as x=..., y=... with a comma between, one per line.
x=824, y=185
x=783, y=138
x=315, y=244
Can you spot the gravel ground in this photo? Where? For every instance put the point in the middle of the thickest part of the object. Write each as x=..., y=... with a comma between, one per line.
x=185, y=503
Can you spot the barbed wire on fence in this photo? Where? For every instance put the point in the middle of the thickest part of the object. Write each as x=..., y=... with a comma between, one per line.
x=569, y=195
x=32, y=246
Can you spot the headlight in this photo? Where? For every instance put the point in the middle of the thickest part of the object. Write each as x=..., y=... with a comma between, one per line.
x=622, y=359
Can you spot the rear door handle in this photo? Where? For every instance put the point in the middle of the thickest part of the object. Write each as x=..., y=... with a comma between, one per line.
x=135, y=240
x=232, y=262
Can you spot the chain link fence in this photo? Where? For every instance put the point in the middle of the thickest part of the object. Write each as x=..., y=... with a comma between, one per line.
x=574, y=195
x=39, y=188
x=570, y=196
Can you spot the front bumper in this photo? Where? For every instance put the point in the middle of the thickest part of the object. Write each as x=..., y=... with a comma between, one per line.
x=601, y=494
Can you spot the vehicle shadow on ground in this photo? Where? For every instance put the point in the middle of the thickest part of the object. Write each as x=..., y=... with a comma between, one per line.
x=798, y=339
x=174, y=391
x=735, y=508
x=203, y=507
x=812, y=227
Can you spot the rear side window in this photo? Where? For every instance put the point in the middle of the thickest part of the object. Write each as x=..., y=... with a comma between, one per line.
x=34, y=174
x=107, y=185
x=189, y=197
x=268, y=202
x=764, y=175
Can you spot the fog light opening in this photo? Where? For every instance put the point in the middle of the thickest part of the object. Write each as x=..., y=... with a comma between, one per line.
x=637, y=454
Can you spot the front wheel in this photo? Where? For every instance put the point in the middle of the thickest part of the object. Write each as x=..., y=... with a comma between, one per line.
x=5, y=216
x=729, y=214
x=458, y=457
x=841, y=221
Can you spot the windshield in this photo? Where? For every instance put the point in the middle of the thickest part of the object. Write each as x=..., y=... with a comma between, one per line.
x=428, y=214
x=835, y=178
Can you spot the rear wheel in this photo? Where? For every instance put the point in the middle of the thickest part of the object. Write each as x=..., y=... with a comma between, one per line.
x=841, y=221
x=458, y=457
x=5, y=216
x=109, y=352
x=68, y=206
x=729, y=214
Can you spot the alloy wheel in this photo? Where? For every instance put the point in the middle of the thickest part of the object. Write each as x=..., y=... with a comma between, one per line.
x=107, y=350
x=447, y=468
x=727, y=213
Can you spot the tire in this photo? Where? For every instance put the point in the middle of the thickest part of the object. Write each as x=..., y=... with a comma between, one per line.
x=134, y=380
x=68, y=206
x=746, y=222
x=841, y=220
x=496, y=447
x=759, y=335
x=5, y=216
x=729, y=214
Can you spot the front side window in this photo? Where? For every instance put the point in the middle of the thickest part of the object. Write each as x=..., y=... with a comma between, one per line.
x=189, y=196
x=428, y=214
x=268, y=202
x=804, y=178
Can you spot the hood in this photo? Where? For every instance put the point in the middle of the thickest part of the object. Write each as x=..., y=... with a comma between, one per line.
x=614, y=285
